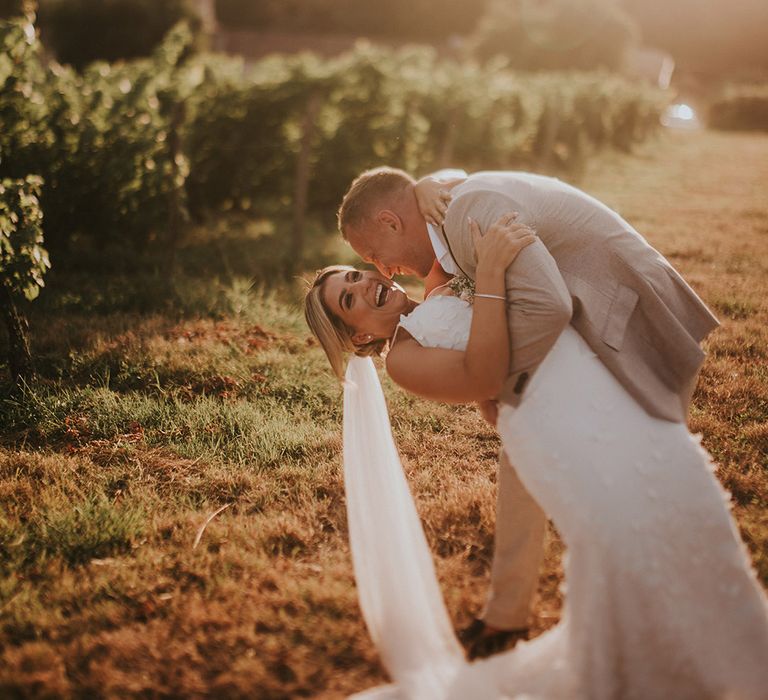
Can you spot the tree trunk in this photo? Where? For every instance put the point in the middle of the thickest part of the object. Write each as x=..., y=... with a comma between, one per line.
x=176, y=207
x=19, y=357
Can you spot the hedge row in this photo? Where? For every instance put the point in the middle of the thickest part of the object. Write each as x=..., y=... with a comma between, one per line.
x=127, y=149
x=742, y=107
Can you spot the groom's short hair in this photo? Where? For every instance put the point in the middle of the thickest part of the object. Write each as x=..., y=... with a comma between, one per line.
x=366, y=191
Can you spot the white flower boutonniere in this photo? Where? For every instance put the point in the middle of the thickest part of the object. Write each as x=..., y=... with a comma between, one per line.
x=463, y=287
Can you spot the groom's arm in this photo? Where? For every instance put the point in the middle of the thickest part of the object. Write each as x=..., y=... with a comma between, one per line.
x=539, y=305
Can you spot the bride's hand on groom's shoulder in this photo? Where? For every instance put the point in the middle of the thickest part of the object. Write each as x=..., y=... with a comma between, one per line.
x=499, y=246
x=433, y=197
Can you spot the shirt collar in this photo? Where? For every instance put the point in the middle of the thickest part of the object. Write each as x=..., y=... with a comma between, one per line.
x=442, y=253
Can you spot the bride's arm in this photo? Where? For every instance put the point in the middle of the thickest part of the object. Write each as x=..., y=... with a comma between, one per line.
x=480, y=371
x=433, y=197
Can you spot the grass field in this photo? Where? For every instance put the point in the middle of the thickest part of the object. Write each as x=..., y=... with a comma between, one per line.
x=145, y=423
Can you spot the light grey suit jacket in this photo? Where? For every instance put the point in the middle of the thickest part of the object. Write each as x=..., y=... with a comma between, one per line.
x=589, y=268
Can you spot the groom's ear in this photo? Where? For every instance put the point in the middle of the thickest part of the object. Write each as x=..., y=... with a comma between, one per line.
x=389, y=220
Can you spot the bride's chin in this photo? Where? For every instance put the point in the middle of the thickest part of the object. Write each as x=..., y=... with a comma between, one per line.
x=401, y=303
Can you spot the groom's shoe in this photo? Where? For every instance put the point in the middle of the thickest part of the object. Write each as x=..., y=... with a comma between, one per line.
x=480, y=640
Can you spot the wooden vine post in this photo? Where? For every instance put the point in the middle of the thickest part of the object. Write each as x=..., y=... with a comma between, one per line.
x=176, y=200
x=302, y=177
x=20, y=362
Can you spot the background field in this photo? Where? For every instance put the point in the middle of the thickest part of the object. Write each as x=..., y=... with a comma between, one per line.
x=161, y=402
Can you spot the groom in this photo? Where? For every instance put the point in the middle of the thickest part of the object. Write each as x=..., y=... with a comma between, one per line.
x=589, y=268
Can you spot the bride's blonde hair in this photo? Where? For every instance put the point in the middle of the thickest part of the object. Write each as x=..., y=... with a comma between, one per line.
x=334, y=336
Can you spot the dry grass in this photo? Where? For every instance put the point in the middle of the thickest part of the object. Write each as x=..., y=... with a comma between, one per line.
x=146, y=425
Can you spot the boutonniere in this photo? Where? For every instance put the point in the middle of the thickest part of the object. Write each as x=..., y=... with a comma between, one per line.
x=463, y=287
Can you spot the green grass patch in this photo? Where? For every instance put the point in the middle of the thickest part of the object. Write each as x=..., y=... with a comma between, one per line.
x=76, y=533
x=160, y=400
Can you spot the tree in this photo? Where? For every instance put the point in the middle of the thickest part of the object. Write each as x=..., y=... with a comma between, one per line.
x=554, y=34
x=23, y=262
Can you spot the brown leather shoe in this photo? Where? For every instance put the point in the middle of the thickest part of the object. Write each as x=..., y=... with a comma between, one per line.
x=479, y=641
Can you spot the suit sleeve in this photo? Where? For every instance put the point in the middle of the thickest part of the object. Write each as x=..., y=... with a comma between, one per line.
x=539, y=305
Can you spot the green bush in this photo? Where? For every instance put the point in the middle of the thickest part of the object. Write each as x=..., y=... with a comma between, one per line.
x=124, y=149
x=23, y=260
x=741, y=107
x=407, y=108
x=241, y=132
x=23, y=263
x=103, y=141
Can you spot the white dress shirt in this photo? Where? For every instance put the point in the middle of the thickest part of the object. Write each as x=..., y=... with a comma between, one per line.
x=442, y=253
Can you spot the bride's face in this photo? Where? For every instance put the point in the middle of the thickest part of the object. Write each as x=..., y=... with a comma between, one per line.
x=367, y=302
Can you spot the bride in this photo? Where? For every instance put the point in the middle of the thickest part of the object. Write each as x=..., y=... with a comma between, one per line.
x=661, y=599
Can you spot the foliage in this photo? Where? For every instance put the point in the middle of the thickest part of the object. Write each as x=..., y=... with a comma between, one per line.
x=558, y=35
x=241, y=134
x=124, y=148
x=23, y=260
x=407, y=108
x=741, y=107
x=82, y=31
x=27, y=140
x=101, y=140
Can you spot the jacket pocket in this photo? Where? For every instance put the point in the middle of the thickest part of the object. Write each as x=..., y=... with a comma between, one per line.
x=622, y=306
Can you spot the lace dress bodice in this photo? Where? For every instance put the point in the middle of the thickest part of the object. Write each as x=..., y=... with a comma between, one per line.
x=442, y=321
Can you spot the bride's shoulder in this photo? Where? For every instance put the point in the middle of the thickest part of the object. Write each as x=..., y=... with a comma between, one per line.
x=444, y=290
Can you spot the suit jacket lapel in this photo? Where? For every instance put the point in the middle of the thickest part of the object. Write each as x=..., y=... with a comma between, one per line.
x=450, y=251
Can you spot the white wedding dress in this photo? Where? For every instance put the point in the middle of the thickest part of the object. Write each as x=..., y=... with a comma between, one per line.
x=661, y=600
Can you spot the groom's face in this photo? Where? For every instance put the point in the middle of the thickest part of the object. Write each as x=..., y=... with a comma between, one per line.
x=393, y=245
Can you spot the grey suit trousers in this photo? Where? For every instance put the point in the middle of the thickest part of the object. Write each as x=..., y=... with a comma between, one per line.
x=518, y=551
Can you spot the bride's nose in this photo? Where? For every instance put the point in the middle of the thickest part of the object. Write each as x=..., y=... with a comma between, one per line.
x=366, y=287
x=361, y=287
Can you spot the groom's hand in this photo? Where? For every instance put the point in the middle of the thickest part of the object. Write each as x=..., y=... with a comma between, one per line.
x=489, y=410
